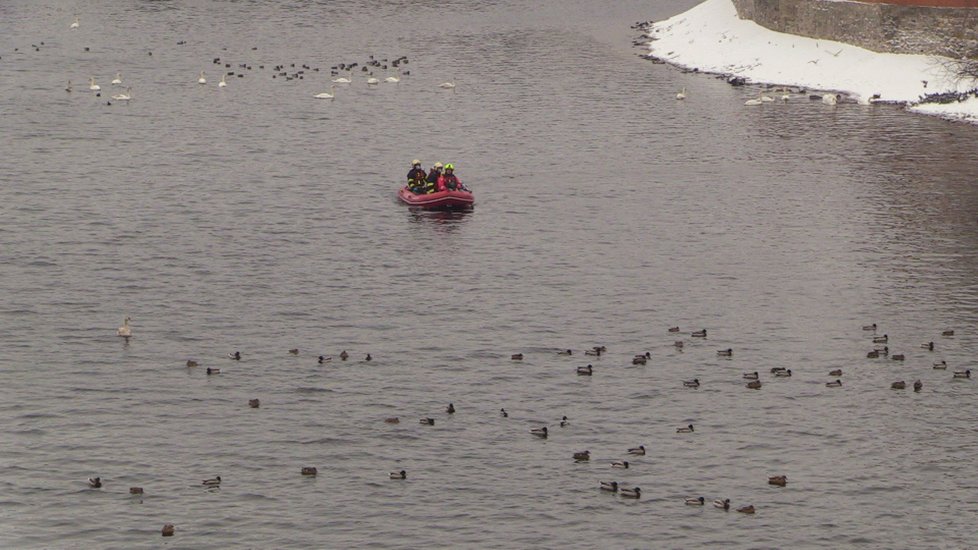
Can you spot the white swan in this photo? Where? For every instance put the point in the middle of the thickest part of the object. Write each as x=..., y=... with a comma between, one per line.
x=223, y=83
x=755, y=101
x=766, y=98
x=123, y=97
x=682, y=94
x=92, y=85
x=392, y=79
x=74, y=25
x=201, y=79
x=343, y=79
x=117, y=80
x=830, y=99
x=327, y=95
x=124, y=331
x=372, y=81
x=450, y=85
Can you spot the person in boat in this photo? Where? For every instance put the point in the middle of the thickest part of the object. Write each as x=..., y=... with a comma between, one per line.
x=416, y=177
x=431, y=184
x=449, y=181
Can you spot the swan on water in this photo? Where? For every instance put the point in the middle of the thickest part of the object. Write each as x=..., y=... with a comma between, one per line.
x=223, y=82
x=123, y=97
x=201, y=79
x=124, y=331
x=92, y=85
x=682, y=94
x=327, y=95
x=117, y=80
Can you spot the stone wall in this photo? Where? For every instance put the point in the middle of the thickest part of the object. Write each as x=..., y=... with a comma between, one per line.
x=893, y=28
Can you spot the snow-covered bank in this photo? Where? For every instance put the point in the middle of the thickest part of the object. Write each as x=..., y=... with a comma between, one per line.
x=711, y=38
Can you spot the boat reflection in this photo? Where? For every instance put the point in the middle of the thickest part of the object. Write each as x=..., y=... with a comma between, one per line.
x=446, y=221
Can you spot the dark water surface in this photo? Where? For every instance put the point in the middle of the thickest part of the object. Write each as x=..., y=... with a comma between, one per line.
x=259, y=219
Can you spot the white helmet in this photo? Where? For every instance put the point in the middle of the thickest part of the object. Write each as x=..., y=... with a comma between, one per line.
x=415, y=161
x=438, y=165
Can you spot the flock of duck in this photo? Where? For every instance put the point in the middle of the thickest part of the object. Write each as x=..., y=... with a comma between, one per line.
x=880, y=350
x=388, y=71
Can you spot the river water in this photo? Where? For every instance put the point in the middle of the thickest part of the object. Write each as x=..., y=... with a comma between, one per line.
x=259, y=219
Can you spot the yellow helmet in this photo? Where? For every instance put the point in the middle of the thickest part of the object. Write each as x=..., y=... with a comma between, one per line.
x=449, y=166
x=438, y=165
x=415, y=162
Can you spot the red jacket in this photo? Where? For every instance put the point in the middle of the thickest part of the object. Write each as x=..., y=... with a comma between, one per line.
x=446, y=181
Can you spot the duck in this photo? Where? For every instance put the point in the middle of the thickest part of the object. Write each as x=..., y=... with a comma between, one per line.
x=323, y=359
x=940, y=365
x=681, y=95
x=901, y=385
x=873, y=355
x=775, y=370
x=392, y=420
x=254, y=403
x=235, y=355
x=191, y=363
x=450, y=409
x=639, y=451
x=620, y=464
x=585, y=371
x=679, y=344
x=883, y=350
x=929, y=346
x=754, y=385
x=540, y=432
x=593, y=352
x=694, y=383
x=201, y=79
x=344, y=355
x=211, y=371
x=611, y=486
x=783, y=373
x=639, y=360
x=835, y=384
x=503, y=413
x=780, y=481
x=673, y=329
x=135, y=490
x=168, y=530
x=947, y=333
x=123, y=97
x=427, y=421
x=582, y=456
x=962, y=374
x=398, y=475
x=331, y=94
x=723, y=504
x=117, y=80
x=68, y=88
x=869, y=327
x=695, y=501
x=565, y=352
x=685, y=429
x=516, y=357
x=213, y=482
x=564, y=422
x=898, y=357
x=223, y=83
x=75, y=24
x=95, y=482
x=881, y=339
x=725, y=352
x=630, y=493
x=836, y=372
x=309, y=471
x=124, y=331
x=698, y=334
x=751, y=376
x=749, y=509
x=918, y=385
x=368, y=358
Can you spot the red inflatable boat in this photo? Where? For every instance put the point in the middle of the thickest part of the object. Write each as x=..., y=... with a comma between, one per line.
x=442, y=200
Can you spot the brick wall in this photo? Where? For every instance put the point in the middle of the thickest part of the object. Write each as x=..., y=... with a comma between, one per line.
x=894, y=28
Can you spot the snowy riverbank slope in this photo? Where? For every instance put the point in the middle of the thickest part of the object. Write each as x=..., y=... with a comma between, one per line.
x=711, y=38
